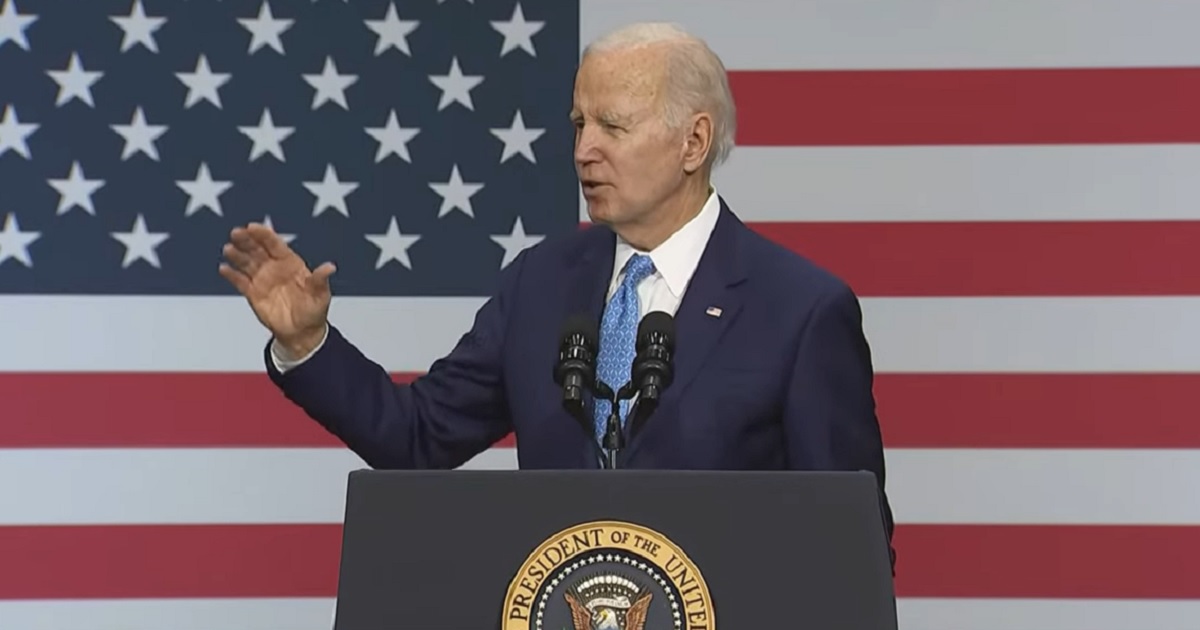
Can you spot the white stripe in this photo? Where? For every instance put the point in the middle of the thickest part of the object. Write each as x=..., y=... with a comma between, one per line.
x=1045, y=614
x=1040, y=486
x=963, y=183
x=1137, y=334
x=148, y=485
x=169, y=614
x=316, y=613
x=1034, y=334
x=116, y=334
x=113, y=486
x=852, y=34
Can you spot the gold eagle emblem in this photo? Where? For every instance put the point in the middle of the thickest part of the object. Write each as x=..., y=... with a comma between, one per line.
x=606, y=617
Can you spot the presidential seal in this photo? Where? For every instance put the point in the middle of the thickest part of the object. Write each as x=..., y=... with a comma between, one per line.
x=608, y=575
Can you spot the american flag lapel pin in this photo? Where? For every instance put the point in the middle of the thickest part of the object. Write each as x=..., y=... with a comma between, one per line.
x=713, y=311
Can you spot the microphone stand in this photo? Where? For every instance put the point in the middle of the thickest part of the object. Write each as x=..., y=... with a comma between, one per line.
x=614, y=437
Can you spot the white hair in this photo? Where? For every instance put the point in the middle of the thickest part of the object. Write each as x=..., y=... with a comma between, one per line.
x=695, y=78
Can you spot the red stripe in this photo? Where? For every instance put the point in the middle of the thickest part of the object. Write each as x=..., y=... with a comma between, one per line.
x=928, y=107
x=169, y=561
x=915, y=410
x=1038, y=410
x=1000, y=258
x=1108, y=562
x=302, y=561
x=922, y=259
x=153, y=409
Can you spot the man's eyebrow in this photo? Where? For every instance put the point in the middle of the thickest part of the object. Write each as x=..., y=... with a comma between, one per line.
x=607, y=116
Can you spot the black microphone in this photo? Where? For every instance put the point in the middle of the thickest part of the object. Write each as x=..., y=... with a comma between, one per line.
x=653, y=368
x=575, y=370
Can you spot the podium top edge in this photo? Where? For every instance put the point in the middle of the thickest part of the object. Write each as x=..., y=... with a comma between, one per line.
x=576, y=472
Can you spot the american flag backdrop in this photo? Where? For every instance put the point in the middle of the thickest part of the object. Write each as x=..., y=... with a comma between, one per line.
x=1013, y=189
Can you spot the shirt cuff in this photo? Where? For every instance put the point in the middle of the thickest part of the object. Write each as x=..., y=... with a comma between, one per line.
x=280, y=358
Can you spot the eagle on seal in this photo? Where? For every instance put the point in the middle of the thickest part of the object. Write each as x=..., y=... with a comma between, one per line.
x=605, y=618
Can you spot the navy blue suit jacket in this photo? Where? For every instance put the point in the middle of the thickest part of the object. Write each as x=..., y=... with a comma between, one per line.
x=782, y=379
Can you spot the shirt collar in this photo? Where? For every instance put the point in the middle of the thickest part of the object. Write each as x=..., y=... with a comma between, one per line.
x=675, y=260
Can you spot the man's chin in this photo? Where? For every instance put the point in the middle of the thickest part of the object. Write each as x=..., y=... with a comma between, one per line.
x=599, y=213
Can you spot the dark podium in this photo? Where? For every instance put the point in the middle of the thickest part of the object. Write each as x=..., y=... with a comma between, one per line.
x=614, y=550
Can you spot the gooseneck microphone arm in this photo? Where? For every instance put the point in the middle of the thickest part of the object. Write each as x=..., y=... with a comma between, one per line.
x=614, y=434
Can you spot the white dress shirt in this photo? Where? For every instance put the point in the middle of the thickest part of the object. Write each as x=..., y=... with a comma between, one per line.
x=675, y=261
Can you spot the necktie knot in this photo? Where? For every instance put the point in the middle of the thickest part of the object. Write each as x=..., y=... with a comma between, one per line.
x=638, y=267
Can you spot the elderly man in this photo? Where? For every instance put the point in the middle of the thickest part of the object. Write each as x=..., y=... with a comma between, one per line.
x=772, y=369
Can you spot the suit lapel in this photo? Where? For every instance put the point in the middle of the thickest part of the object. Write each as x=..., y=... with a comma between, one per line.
x=587, y=285
x=708, y=308
x=590, y=273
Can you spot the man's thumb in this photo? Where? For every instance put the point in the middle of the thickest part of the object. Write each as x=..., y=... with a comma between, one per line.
x=320, y=276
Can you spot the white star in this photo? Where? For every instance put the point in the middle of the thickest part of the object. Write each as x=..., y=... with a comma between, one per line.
x=392, y=31
x=139, y=243
x=287, y=238
x=203, y=192
x=330, y=192
x=76, y=190
x=74, y=82
x=517, y=139
x=393, y=138
x=138, y=28
x=456, y=194
x=14, y=133
x=330, y=85
x=14, y=243
x=515, y=242
x=13, y=24
x=265, y=30
x=393, y=245
x=267, y=137
x=203, y=83
x=517, y=32
x=455, y=86
x=139, y=136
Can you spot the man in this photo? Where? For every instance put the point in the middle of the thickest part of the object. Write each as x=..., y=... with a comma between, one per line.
x=772, y=370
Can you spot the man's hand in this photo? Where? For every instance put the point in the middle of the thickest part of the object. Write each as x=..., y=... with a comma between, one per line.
x=288, y=298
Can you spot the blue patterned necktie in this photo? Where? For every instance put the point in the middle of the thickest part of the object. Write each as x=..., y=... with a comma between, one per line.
x=618, y=328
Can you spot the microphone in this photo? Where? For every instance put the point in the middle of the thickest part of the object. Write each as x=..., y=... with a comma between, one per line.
x=653, y=369
x=651, y=373
x=575, y=370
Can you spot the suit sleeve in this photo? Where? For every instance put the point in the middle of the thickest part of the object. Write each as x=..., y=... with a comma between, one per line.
x=456, y=410
x=831, y=421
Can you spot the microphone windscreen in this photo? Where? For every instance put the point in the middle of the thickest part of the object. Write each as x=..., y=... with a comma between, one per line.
x=581, y=324
x=656, y=322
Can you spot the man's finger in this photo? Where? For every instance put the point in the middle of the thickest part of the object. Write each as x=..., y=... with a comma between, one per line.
x=241, y=260
x=268, y=240
x=239, y=280
x=242, y=239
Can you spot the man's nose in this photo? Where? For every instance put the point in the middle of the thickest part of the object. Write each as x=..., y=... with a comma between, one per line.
x=585, y=144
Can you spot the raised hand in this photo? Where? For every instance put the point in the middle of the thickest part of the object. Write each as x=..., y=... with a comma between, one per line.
x=289, y=299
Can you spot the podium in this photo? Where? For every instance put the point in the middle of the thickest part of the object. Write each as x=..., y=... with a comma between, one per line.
x=614, y=550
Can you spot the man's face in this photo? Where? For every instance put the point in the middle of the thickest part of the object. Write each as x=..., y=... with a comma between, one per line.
x=628, y=162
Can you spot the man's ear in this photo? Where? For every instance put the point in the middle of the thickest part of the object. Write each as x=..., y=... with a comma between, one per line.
x=698, y=142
